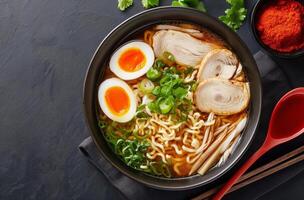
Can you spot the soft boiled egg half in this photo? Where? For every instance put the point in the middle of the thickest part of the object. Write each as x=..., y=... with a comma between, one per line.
x=132, y=60
x=117, y=100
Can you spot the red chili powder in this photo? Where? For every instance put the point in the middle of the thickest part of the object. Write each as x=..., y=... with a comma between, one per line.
x=280, y=24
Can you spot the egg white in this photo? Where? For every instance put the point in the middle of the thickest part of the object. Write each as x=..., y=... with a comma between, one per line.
x=147, y=51
x=112, y=82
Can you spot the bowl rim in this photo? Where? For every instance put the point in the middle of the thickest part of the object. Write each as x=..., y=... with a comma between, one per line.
x=167, y=186
x=257, y=6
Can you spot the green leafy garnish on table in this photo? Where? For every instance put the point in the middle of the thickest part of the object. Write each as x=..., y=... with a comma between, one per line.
x=235, y=15
x=150, y=3
x=197, y=4
x=124, y=4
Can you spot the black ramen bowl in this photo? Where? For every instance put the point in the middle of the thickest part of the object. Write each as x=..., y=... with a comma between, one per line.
x=255, y=11
x=120, y=35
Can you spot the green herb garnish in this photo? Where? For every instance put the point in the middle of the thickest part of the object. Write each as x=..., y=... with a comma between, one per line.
x=188, y=70
x=235, y=15
x=170, y=91
x=140, y=113
x=124, y=4
x=197, y=4
x=166, y=104
x=168, y=56
x=159, y=64
x=180, y=92
x=156, y=91
x=146, y=86
x=153, y=74
x=150, y=3
x=153, y=107
x=132, y=151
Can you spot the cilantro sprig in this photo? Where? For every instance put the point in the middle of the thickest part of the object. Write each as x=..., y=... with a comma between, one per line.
x=197, y=4
x=149, y=3
x=124, y=4
x=235, y=15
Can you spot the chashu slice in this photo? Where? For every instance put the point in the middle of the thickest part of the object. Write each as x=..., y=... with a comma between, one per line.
x=186, y=49
x=219, y=63
x=223, y=97
x=193, y=32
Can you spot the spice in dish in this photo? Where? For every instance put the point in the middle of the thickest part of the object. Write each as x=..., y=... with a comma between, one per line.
x=280, y=24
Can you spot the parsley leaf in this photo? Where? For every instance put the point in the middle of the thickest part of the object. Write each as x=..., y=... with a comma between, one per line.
x=124, y=4
x=150, y=3
x=201, y=7
x=235, y=15
x=197, y=4
x=179, y=4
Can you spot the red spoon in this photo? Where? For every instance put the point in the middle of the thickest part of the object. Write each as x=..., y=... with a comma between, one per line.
x=286, y=123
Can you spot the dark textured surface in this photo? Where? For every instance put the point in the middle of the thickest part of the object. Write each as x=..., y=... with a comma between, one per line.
x=45, y=47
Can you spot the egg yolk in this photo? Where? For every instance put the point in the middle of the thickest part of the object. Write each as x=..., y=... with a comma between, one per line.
x=132, y=59
x=117, y=100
